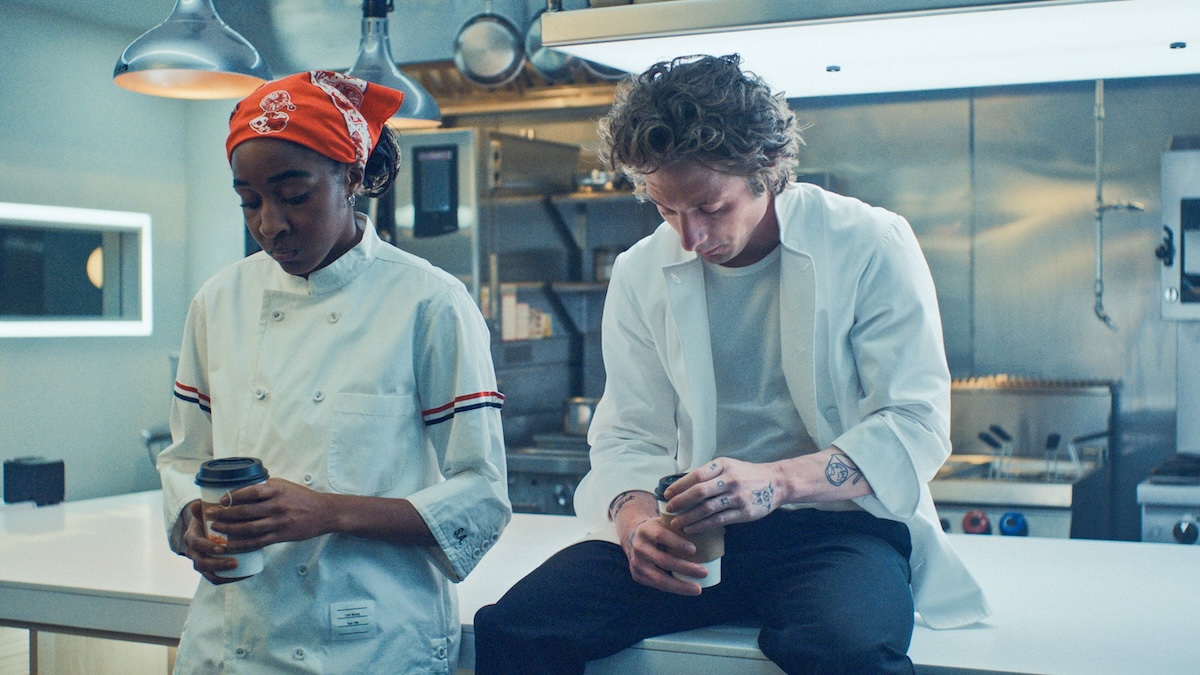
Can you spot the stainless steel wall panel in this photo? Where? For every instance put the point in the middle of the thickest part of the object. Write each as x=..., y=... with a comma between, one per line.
x=999, y=185
x=910, y=154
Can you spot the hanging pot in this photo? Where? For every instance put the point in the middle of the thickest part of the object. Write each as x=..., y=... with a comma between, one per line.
x=577, y=415
x=552, y=65
x=603, y=72
x=488, y=50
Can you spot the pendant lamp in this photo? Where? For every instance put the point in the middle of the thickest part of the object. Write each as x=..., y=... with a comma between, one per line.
x=193, y=54
x=375, y=64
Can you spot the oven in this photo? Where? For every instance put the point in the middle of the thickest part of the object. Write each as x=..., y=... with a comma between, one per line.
x=1170, y=497
x=1032, y=457
x=1030, y=497
x=1170, y=501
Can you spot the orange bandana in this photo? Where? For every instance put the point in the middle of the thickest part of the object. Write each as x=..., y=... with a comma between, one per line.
x=334, y=114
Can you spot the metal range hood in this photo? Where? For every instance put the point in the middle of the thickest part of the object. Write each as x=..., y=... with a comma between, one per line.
x=832, y=47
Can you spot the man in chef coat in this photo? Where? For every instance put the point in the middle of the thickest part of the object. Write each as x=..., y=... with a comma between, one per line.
x=781, y=345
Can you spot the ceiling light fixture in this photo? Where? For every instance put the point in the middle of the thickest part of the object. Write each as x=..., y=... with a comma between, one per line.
x=886, y=46
x=375, y=64
x=194, y=55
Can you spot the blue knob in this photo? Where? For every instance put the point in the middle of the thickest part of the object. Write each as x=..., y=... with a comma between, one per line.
x=1014, y=524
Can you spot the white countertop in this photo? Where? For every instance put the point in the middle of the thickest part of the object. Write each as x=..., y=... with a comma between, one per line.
x=98, y=565
x=1061, y=606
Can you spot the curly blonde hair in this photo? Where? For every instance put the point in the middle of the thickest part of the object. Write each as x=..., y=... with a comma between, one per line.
x=703, y=109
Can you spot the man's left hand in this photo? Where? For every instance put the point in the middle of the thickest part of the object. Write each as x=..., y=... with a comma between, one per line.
x=722, y=492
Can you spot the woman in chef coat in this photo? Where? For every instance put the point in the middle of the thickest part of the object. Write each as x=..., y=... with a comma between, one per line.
x=361, y=376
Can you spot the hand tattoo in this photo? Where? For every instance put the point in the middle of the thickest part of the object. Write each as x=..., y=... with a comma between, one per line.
x=840, y=469
x=765, y=496
x=633, y=532
x=621, y=500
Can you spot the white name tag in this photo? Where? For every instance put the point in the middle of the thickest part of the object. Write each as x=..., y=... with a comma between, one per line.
x=354, y=620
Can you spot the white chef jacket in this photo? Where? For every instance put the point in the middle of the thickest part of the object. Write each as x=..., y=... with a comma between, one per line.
x=862, y=357
x=373, y=376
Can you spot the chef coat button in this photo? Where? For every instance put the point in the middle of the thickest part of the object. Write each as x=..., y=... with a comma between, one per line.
x=298, y=654
x=319, y=396
x=307, y=479
x=260, y=393
x=277, y=315
x=240, y=652
x=476, y=553
x=441, y=652
x=334, y=316
x=302, y=570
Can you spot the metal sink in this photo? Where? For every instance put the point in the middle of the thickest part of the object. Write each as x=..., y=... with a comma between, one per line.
x=965, y=464
x=1011, y=482
x=1012, y=469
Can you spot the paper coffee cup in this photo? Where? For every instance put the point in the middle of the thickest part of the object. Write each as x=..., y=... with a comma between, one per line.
x=217, y=478
x=710, y=544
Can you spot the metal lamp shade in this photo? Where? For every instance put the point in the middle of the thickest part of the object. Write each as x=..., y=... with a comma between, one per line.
x=375, y=64
x=193, y=55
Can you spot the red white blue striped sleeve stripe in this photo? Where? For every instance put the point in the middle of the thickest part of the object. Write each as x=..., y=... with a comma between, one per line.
x=193, y=395
x=480, y=399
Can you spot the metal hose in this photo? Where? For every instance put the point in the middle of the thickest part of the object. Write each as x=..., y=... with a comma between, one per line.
x=1101, y=207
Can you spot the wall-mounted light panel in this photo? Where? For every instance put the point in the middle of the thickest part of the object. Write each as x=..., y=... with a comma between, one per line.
x=828, y=48
x=67, y=272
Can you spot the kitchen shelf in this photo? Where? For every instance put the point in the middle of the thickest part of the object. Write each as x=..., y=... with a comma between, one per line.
x=580, y=286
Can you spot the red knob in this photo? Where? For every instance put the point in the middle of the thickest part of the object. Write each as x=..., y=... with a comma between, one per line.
x=976, y=522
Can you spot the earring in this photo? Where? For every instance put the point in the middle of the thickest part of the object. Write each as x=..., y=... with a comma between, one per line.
x=350, y=200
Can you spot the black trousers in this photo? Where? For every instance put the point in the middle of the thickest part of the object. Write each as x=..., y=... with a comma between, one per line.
x=829, y=590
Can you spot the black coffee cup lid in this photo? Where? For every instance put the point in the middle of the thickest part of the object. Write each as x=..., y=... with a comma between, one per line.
x=664, y=483
x=231, y=471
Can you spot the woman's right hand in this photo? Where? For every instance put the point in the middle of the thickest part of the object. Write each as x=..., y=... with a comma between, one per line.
x=204, y=553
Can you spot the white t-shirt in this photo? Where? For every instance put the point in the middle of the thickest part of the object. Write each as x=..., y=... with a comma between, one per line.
x=756, y=418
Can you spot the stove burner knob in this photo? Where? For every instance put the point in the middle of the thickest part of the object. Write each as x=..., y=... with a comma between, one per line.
x=1185, y=532
x=976, y=522
x=563, y=495
x=1013, y=524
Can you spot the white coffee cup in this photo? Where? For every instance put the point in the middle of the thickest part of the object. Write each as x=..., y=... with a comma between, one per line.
x=218, y=479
